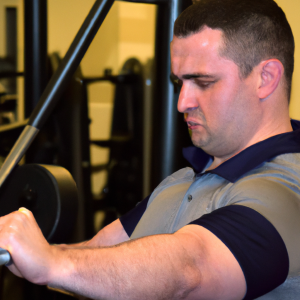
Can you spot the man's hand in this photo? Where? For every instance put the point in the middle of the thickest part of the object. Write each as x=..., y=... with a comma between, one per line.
x=31, y=254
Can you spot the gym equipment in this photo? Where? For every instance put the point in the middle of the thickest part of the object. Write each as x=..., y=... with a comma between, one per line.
x=124, y=185
x=56, y=86
x=168, y=12
x=49, y=192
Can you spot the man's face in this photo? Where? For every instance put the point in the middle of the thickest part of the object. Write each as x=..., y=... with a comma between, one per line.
x=221, y=109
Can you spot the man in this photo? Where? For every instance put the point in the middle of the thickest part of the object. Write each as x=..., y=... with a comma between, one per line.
x=230, y=232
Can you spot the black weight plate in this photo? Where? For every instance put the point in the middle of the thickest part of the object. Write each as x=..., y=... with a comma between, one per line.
x=36, y=188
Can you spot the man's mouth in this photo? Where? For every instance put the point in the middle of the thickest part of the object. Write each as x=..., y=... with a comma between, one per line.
x=192, y=122
x=192, y=125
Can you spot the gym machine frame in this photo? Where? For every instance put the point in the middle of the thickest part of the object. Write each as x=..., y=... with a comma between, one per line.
x=168, y=10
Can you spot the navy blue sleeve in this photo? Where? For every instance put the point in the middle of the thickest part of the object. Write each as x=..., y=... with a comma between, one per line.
x=130, y=219
x=254, y=242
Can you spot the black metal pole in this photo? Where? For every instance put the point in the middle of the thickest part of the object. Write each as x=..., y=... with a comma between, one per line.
x=57, y=84
x=70, y=62
x=35, y=57
x=165, y=101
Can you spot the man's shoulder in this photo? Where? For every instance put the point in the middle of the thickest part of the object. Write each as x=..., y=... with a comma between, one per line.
x=290, y=161
x=273, y=190
x=284, y=167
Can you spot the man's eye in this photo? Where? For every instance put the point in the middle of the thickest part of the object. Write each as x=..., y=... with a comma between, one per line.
x=204, y=84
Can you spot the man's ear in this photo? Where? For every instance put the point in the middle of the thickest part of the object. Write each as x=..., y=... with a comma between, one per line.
x=271, y=72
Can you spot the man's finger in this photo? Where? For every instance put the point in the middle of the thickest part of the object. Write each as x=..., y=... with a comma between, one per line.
x=24, y=211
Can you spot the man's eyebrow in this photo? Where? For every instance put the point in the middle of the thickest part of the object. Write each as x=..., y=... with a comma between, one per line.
x=191, y=76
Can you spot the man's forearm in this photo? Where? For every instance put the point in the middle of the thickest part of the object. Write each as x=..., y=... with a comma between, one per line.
x=140, y=269
x=189, y=264
x=110, y=235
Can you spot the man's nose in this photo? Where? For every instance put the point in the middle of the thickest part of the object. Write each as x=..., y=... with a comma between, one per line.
x=187, y=100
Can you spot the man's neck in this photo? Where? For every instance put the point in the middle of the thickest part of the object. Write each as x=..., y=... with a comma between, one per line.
x=217, y=161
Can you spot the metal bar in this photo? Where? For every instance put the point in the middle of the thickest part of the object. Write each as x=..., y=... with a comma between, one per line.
x=148, y=1
x=58, y=82
x=70, y=62
x=165, y=105
x=5, y=258
x=35, y=54
x=170, y=111
x=10, y=74
x=17, y=152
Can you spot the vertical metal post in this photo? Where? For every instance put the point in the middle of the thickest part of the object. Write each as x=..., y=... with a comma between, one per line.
x=35, y=58
x=35, y=70
x=165, y=101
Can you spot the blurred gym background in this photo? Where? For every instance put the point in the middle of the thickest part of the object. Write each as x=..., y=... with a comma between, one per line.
x=109, y=128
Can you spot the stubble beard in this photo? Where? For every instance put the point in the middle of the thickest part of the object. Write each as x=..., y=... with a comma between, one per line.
x=200, y=139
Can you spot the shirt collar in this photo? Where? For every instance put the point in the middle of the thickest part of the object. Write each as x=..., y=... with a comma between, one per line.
x=251, y=157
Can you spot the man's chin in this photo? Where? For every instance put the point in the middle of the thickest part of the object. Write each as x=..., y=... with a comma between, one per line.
x=204, y=145
x=199, y=140
x=199, y=144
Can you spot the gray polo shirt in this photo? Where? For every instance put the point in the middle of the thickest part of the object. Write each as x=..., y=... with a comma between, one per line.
x=251, y=202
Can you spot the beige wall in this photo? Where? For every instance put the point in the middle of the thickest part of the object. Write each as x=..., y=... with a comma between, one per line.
x=136, y=31
x=20, y=29
x=129, y=27
x=64, y=20
x=128, y=31
x=292, y=10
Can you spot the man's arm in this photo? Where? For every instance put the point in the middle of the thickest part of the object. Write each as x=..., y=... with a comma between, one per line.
x=189, y=264
x=110, y=235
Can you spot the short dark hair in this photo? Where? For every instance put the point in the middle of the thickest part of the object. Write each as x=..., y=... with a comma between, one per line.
x=253, y=31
